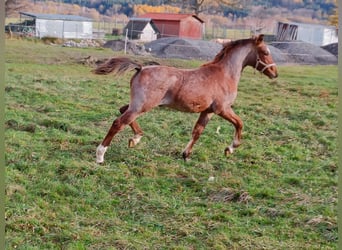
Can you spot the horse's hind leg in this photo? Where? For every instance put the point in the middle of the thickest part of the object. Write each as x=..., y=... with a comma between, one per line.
x=126, y=118
x=238, y=124
x=196, y=132
x=138, y=133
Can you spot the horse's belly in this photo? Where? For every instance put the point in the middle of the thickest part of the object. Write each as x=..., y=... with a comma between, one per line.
x=185, y=105
x=188, y=97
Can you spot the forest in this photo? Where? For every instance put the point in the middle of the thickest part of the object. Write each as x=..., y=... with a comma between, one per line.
x=239, y=8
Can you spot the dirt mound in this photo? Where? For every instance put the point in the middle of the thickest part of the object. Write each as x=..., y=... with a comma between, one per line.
x=332, y=48
x=183, y=48
x=304, y=53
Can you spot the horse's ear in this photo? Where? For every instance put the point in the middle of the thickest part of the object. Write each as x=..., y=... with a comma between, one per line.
x=259, y=39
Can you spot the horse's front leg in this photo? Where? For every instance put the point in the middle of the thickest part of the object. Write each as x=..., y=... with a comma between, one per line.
x=196, y=132
x=126, y=118
x=230, y=116
x=138, y=133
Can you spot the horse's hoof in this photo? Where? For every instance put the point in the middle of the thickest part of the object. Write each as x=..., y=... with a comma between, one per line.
x=131, y=143
x=99, y=159
x=228, y=151
x=185, y=156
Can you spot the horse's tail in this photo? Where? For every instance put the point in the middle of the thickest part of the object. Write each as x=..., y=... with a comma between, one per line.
x=118, y=65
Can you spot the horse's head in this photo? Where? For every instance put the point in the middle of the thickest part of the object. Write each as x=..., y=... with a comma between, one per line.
x=262, y=59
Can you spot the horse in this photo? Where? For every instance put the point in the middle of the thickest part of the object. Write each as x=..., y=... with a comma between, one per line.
x=209, y=89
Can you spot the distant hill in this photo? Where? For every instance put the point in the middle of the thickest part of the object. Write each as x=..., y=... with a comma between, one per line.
x=319, y=9
x=262, y=15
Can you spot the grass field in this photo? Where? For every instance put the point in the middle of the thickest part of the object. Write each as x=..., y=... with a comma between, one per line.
x=277, y=191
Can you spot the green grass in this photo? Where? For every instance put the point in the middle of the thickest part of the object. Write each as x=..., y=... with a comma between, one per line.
x=277, y=191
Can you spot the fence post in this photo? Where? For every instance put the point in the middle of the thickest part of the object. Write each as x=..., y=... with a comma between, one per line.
x=126, y=39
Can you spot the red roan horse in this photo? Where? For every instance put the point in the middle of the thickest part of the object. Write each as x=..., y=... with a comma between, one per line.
x=209, y=89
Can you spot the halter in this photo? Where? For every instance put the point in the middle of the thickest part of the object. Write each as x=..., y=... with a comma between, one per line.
x=266, y=66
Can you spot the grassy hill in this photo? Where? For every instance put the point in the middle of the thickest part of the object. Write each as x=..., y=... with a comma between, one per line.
x=277, y=191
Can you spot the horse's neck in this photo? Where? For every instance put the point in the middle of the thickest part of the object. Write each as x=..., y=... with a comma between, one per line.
x=236, y=61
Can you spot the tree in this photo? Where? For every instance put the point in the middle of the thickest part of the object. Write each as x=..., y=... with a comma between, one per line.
x=14, y=6
x=198, y=6
x=333, y=19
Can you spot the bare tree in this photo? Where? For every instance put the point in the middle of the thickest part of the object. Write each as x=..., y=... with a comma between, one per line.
x=197, y=6
x=14, y=6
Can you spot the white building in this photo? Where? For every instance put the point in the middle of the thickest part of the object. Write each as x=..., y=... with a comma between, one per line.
x=142, y=29
x=59, y=26
x=312, y=33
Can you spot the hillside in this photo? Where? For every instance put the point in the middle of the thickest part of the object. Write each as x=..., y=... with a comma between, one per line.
x=247, y=12
x=241, y=8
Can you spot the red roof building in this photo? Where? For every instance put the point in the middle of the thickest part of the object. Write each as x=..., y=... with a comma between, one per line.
x=177, y=25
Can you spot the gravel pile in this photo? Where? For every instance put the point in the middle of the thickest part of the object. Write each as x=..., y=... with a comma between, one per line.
x=285, y=52
x=291, y=52
x=278, y=56
x=332, y=48
x=119, y=45
x=183, y=48
x=299, y=52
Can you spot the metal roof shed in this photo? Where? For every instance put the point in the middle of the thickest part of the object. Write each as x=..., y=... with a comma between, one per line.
x=60, y=26
x=142, y=29
x=317, y=34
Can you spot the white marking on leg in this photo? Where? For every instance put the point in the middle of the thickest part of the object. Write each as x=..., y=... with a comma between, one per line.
x=236, y=143
x=100, y=151
x=136, y=139
x=231, y=148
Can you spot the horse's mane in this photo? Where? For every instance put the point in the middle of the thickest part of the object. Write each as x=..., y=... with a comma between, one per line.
x=227, y=47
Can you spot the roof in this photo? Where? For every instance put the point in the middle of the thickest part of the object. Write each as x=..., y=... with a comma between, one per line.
x=56, y=17
x=140, y=19
x=169, y=16
x=136, y=25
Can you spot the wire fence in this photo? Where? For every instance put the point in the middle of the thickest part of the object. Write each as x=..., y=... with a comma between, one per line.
x=109, y=30
x=296, y=51
x=211, y=31
x=21, y=30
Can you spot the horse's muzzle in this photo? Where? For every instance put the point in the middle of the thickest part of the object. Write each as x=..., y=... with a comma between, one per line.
x=273, y=75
